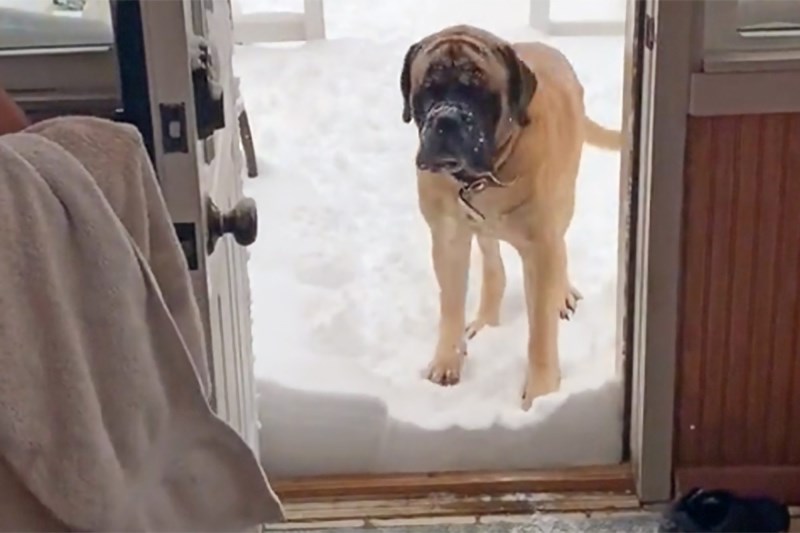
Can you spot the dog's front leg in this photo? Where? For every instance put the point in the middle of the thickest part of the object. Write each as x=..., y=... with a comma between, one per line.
x=545, y=265
x=451, y=243
x=492, y=286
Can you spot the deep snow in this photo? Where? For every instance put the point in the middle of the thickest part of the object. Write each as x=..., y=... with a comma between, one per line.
x=344, y=298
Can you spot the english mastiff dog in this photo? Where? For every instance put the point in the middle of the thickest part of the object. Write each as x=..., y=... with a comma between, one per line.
x=501, y=131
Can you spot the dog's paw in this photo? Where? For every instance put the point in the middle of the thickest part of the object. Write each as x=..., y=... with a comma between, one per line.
x=539, y=384
x=570, y=305
x=480, y=322
x=445, y=370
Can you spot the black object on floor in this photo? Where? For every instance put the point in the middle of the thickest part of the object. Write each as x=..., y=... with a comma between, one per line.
x=702, y=510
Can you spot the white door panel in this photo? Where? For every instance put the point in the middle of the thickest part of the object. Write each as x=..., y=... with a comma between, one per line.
x=202, y=186
x=226, y=265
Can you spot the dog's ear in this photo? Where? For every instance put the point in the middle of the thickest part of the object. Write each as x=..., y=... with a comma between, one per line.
x=405, y=80
x=521, y=85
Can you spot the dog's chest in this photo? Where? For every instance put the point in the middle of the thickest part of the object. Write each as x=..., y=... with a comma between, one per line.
x=495, y=212
x=488, y=213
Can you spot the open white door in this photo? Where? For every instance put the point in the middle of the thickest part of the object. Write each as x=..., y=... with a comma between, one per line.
x=199, y=163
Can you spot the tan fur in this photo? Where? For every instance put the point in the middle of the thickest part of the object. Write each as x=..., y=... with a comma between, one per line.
x=532, y=214
x=602, y=137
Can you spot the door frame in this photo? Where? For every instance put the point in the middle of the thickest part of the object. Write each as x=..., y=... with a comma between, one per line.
x=133, y=77
x=615, y=478
x=649, y=290
x=656, y=289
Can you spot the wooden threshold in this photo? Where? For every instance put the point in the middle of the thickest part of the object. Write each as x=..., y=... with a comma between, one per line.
x=453, y=506
x=597, y=479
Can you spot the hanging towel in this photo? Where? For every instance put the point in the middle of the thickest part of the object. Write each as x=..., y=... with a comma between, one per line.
x=113, y=156
x=104, y=424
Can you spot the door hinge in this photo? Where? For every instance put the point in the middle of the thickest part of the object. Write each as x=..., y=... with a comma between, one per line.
x=649, y=31
x=174, y=137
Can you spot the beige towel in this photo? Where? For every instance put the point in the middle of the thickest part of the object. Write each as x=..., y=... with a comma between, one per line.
x=113, y=156
x=103, y=420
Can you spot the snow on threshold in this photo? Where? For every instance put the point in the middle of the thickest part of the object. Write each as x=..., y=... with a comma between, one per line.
x=345, y=304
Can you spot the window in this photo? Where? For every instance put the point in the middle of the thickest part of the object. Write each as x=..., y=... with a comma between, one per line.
x=59, y=54
x=37, y=24
x=741, y=26
x=768, y=18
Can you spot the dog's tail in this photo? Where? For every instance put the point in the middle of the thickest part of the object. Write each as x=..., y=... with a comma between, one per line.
x=604, y=138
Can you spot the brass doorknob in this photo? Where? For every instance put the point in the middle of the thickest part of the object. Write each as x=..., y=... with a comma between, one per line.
x=241, y=222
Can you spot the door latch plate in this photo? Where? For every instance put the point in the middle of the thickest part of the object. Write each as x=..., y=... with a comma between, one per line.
x=187, y=237
x=174, y=136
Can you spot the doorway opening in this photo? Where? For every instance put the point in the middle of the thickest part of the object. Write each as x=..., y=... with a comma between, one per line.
x=344, y=298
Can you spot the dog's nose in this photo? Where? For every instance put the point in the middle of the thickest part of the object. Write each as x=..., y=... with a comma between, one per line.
x=447, y=123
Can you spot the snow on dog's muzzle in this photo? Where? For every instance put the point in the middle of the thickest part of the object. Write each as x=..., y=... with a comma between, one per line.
x=452, y=140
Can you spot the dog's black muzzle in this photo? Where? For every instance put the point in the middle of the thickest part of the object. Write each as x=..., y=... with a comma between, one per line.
x=453, y=140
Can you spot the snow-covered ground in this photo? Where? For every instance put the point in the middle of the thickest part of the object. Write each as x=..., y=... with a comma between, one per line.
x=344, y=298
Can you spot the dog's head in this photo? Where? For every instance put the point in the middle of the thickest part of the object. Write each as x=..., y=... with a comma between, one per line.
x=466, y=90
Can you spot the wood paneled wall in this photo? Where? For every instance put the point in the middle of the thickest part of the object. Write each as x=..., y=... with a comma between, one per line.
x=738, y=389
